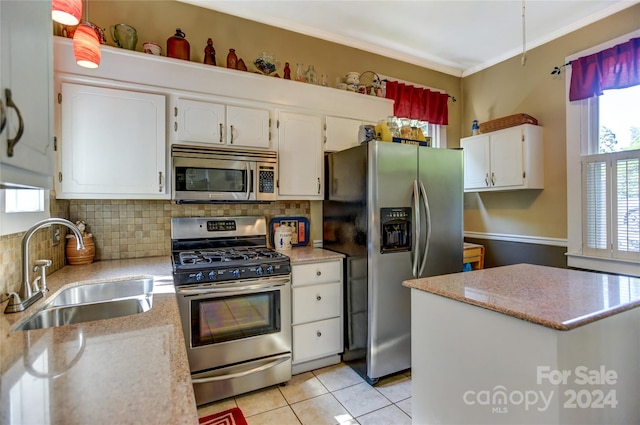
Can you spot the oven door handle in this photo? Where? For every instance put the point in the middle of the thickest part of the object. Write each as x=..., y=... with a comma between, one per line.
x=271, y=283
x=277, y=360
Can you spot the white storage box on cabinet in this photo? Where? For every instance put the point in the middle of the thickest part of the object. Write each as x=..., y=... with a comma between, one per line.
x=112, y=144
x=508, y=159
x=208, y=122
x=317, y=314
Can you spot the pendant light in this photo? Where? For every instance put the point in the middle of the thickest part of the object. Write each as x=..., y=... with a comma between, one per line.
x=66, y=12
x=86, y=44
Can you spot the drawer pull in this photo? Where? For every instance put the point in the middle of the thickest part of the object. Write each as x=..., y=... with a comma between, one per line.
x=318, y=334
x=318, y=273
x=318, y=297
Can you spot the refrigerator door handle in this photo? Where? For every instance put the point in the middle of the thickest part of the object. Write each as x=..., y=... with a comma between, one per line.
x=427, y=210
x=416, y=218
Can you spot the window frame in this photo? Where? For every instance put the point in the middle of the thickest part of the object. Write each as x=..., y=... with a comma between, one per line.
x=582, y=139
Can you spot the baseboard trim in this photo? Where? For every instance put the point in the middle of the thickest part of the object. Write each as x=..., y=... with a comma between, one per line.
x=517, y=238
x=315, y=364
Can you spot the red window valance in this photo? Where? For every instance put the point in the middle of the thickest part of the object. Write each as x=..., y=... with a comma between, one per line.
x=418, y=104
x=615, y=68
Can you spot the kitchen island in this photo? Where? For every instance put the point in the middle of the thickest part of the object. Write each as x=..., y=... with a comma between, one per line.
x=525, y=344
x=126, y=370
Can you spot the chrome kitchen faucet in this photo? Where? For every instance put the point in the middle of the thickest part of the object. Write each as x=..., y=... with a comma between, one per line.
x=27, y=294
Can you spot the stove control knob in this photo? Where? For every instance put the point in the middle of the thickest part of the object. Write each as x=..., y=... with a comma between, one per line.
x=199, y=276
x=236, y=273
x=269, y=269
x=212, y=275
x=259, y=271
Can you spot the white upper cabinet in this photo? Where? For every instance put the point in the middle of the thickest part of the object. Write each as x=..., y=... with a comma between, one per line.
x=199, y=121
x=300, y=157
x=248, y=127
x=196, y=121
x=112, y=144
x=508, y=159
x=340, y=133
x=26, y=78
x=215, y=106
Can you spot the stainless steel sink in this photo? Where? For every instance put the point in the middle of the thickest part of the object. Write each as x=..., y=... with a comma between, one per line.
x=85, y=303
x=101, y=292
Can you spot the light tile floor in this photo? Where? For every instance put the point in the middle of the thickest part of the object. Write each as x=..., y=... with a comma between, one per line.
x=331, y=395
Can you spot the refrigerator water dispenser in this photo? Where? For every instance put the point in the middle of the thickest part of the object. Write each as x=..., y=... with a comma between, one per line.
x=395, y=230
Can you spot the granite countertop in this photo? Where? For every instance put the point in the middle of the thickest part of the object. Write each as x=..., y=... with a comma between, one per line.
x=309, y=254
x=557, y=298
x=126, y=370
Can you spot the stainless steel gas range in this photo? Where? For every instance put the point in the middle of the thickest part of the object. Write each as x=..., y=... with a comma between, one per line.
x=234, y=297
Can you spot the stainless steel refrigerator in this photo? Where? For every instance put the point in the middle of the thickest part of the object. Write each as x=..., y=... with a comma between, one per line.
x=395, y=211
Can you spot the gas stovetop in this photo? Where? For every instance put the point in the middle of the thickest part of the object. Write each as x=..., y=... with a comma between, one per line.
x=224, y=256
x=223, y=249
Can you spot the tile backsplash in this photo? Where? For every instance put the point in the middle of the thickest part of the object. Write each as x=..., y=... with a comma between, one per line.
x=123, y=229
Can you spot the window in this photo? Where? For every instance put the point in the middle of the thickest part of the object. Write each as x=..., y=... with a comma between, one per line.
x=438, y=133
x=20, y=208
x=603, y=178
x=23, y=200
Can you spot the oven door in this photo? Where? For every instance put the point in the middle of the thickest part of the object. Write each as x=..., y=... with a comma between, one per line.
x=230, y=323
x=208, y=179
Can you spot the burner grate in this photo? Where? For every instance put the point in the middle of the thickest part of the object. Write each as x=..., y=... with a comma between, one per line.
x=226, y=255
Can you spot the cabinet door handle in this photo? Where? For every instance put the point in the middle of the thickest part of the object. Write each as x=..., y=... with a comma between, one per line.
x=486, y=179
x=3, y=116
x=318, y=334
x=175, y=126
x=220, y=132
x=160, y=181
x=12, y=142
x=493, y=179
x=232, y=135
x=318, y=297
x=318, y=273
x=318, y=185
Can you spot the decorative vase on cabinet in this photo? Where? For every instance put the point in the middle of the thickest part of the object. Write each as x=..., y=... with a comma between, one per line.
x=232, y=59
x=178, y=46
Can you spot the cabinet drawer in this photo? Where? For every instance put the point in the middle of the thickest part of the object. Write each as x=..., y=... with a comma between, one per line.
x=316, y=302
x=308, y=274
x=317, y=339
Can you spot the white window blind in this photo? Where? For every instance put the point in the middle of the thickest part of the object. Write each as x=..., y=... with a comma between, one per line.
x=595, y=181
x=611, y=184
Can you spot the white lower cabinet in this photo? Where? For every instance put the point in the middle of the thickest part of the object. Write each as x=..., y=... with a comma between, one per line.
x=317, y=339
x=317, y=314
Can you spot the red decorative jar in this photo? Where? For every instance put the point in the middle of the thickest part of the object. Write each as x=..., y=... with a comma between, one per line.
x=178, y=46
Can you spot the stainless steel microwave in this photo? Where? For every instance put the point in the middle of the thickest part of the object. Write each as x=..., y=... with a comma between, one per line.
x=208, y=174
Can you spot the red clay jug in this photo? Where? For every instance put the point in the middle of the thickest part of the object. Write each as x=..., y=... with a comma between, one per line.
x=177, y=46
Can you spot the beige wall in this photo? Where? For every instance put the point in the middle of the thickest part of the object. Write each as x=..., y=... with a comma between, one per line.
x=509, y=88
